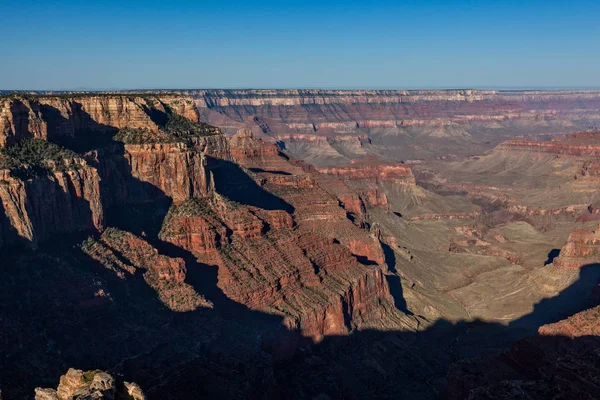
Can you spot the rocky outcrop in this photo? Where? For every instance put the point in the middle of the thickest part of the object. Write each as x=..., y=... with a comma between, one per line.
x=95, y=384
x=244, y=145
x=305, y=260
x=582, y=248
x=553, y=147
x=372, y=169
x=37, y=209
x=367, y=179
x=585, y=323
x=176, y=169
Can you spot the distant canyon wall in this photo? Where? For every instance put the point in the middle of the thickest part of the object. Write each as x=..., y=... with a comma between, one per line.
x=333, y=127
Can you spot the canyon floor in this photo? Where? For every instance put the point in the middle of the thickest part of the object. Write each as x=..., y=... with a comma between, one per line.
x=301, y=244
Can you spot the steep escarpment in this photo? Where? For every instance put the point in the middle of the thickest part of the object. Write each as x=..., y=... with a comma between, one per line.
x=45, y=192
x=138, y=173
x=275, y=256
x=131, y=150
x=399, y=174
x=370, y=178
x=554, y=147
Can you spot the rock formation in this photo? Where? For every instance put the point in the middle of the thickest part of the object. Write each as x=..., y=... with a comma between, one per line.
x=39, y=208
x=95, y=384
x=286, y=263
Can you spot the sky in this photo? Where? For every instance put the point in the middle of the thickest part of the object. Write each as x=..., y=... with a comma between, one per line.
x=70, y=45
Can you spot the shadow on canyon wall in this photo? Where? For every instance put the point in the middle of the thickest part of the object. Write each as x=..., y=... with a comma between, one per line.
x=394, y=280
x=552, y=255
x=59, y=308
x=234, y=183
x=54, y=319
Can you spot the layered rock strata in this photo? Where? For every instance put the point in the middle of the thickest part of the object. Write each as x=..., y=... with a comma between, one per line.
x=37, y=209
x=582, y=248
x=82, y=117
x=304, y=264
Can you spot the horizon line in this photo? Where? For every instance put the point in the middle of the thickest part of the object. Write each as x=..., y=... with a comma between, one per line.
x=345, y=88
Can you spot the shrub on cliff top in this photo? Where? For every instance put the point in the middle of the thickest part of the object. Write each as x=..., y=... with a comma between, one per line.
x=177, y=129
x=88, y=376
x=35, y=157
x=182, y=127
x=144, y=136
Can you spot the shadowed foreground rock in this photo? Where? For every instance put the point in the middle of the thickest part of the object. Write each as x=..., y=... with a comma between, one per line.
x=95, y=384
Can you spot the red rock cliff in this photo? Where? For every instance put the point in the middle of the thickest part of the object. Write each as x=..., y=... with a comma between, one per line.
x=37, y=209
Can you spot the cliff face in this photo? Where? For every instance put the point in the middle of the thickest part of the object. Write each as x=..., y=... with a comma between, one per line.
x=223, y=98
x=397, y=174
x=177, y=170
x=299, y=258
x=39, y=208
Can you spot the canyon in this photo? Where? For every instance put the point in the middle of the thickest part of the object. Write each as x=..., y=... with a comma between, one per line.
x=300, y=244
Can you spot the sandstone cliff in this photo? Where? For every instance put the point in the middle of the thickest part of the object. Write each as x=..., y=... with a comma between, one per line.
x=39, y=208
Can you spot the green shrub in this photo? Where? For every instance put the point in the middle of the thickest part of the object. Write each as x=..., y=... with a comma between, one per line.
x=88, y=376
x=177, y=129
x=35, y=157
x=144, y=136
x=182, y=127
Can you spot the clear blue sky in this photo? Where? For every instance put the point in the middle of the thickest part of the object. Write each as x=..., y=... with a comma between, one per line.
x=281, y=44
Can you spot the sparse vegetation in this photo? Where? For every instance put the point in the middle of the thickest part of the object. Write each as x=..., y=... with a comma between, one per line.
x=88, y=376
x=145, y=136
x=35, y=157
x=177, y=129
x=182, y=127
x=191, y=208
